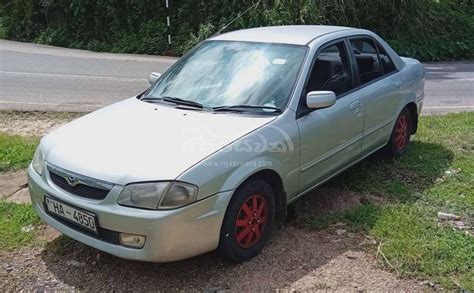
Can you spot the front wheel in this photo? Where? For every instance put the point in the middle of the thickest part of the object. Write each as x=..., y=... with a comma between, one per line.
x=400, y=137
x=248, y=221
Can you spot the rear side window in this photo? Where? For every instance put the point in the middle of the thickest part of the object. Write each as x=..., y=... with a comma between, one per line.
x=365, y=53
x=387, y=63
x=331, y=71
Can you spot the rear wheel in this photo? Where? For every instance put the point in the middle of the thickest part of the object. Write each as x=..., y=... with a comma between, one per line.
x=400, y=138
x=248, y=221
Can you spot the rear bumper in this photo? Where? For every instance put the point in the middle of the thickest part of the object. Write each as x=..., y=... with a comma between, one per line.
x=170, y=235
x=419, y=102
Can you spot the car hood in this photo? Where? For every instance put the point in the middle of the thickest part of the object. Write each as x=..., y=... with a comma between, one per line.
x=133, y=141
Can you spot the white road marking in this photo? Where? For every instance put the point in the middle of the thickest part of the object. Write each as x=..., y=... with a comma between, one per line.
x=49, y=104
x=448, y=107
x=74, y=76
x=450, y=80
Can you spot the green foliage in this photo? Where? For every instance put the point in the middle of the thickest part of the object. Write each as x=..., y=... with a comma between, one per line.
x=2, y=26
x=14, y=217
x=15, y=152
x=205, y=31
x=425, y=29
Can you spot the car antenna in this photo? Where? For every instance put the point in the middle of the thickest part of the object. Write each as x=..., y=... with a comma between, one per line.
x=238, y=16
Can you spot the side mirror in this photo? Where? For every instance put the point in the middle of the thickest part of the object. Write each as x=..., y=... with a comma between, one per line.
x=153, y=77
x=320, y=99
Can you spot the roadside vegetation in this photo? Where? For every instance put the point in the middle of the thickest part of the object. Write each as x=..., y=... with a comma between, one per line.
x=17, y=225
x=436, y=175
x=17, y=221
x=400, y=210
x=424, y=29
x=15, y=151
x=2, y=29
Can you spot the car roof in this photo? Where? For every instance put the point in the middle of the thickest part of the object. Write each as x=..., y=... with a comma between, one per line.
x=290, y=34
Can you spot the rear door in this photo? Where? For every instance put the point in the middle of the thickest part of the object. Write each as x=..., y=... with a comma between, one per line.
x=331, y=138
x=379, y=81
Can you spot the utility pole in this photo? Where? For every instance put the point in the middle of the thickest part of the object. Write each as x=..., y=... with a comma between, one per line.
x=168, y=23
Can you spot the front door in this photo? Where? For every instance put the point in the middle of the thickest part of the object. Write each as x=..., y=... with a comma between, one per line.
x=331, y=138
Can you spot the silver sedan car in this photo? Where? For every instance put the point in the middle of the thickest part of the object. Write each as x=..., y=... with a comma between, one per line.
x=211, y=155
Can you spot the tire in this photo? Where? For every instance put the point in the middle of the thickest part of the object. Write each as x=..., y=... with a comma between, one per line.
x=400, y=137
x=248, y=221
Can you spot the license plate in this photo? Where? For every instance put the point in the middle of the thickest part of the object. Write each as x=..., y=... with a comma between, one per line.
x=82, y=218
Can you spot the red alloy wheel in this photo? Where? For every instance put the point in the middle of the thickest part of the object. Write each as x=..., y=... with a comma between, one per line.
x=401, y=132
x=251, y=221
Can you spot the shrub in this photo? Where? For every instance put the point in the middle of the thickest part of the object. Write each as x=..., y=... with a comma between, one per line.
x=425, y=29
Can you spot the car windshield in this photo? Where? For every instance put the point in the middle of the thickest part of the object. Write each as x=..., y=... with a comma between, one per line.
x=228, y=73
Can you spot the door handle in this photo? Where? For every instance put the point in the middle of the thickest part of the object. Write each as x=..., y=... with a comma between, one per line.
x=354, y=106
x=398, y=84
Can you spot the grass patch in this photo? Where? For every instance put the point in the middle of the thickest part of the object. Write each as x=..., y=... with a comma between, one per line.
x=414, y=244
x=359, y=218
x=437, y=174
x=14, y=217
x=16, y=152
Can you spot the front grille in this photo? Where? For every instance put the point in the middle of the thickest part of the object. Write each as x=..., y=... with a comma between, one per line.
x=79, y=189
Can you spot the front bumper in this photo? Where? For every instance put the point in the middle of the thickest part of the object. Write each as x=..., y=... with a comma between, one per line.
x=170, y=235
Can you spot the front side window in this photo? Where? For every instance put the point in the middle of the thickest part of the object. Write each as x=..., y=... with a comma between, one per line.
x=226, y=73
x=331, y=71
x=367, y=59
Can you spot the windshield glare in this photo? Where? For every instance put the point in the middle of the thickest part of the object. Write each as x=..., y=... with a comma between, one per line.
x=222, y=73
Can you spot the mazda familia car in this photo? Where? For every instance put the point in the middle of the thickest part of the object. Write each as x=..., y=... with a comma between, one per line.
x=211, y=155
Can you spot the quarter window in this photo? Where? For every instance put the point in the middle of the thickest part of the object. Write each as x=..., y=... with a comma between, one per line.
x=331, y=71
x=387, y=63
x=367, y=60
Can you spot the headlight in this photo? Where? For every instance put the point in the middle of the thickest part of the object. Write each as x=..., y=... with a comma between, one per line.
x=179, y=194
x=143, y=195
x=38, y=161
x=158, y=195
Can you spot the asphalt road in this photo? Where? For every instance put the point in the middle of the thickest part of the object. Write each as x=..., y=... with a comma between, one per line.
x=38, y=77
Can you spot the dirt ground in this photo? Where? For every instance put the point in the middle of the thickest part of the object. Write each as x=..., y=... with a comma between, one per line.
x=296, y=259
x=33, y=123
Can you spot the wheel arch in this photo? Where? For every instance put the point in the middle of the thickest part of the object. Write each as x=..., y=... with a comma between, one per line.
x=275, y=181
x=412, y=108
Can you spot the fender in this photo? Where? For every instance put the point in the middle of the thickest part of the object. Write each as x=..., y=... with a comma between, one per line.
x=276, y=147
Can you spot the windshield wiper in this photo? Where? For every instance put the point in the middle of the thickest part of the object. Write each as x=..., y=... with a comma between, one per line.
x=176, y=101
x=241, y=108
